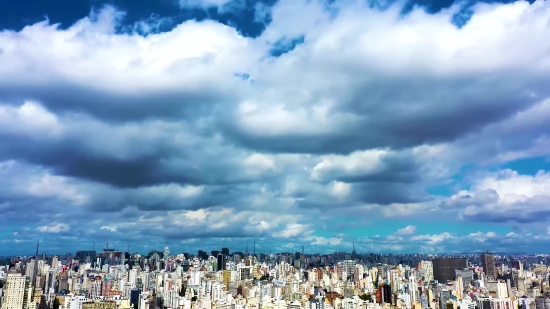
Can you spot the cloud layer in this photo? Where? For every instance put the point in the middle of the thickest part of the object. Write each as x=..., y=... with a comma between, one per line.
x=202, y=136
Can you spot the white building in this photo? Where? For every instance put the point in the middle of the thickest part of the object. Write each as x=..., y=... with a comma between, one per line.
x=14, y=297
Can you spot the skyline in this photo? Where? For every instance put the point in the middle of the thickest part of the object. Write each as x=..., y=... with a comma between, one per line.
x=301, y=123
x=209, y=251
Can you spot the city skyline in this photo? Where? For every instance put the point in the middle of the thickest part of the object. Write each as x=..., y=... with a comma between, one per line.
x=394, y=127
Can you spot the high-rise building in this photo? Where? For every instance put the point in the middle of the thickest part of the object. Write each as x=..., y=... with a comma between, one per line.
x=166, y=254
x=428, y=270
x=55, y=262
x=85, y=256
x=488, y=264
x=444, y=268
x=221, y=262
x=14, y=291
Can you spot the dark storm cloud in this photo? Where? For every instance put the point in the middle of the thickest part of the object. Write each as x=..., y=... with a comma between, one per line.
x=401, y=112
x=61, y=97
x=396, y=167
x=389, y=193
x=147, y=161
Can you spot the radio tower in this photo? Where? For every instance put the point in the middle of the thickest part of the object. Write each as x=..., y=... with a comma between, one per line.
x=35, y=270
x=254, y=247
x=246, y=250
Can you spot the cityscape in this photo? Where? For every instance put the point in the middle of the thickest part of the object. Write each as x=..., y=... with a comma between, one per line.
x=112, y=279
x=274, y=154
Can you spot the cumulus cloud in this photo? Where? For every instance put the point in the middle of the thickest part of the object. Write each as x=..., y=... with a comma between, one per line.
x=505, y=196
x=201, y=133
x=408, y=230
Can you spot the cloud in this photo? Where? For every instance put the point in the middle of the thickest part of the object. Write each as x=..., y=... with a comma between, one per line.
x=408, y=230
x=201, y=132
x=504, y=196
x=59, y=227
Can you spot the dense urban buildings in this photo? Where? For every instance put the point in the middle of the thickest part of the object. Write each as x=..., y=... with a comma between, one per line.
x=237, y=280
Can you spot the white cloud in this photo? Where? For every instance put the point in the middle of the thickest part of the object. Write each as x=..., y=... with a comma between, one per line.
x=505, y=195
x=341, y=189
x=434, y=239
x=55, y=228
x=294, y=230
x=357, y=164
x=408, y=230
x=30, y=118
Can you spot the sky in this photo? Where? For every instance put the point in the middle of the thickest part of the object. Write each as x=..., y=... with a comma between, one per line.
x=391, y=126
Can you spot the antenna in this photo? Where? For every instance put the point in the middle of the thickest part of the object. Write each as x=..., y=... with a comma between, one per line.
x=128, y=248
x=107, y=246
x=35, y=266
x=254, y=246
x=246, y=251
x=94, y=245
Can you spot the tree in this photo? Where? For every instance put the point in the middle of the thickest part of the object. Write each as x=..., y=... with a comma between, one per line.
x=182, y=291
x=194, y=298
x=366, y=297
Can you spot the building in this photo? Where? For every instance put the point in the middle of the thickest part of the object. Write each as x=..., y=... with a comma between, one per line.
x=466, y=274
x=488, y=264
x=428, y=270
x=15, y=291
x=444, y=268
x=85, y=256
x=99, y=305
x=221, y=262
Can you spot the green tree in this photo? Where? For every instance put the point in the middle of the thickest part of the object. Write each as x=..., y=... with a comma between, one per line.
x=366, y=297
x=194, y=298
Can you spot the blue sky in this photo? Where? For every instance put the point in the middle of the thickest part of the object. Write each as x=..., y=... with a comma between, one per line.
x=401, y=127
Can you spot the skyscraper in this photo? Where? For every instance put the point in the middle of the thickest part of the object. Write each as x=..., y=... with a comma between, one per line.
x=166, y=253
x=444, y=268
x=16, y=286
x=488, y=264
x=221, y=262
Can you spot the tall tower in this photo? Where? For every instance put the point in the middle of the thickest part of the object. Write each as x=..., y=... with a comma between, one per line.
x=353, y=253
x=254, y=247
x=35, y=266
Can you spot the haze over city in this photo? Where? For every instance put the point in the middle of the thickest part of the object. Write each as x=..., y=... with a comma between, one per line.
x=385, y=126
